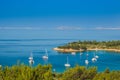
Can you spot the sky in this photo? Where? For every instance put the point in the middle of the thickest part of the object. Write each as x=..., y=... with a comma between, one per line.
x=60, y=14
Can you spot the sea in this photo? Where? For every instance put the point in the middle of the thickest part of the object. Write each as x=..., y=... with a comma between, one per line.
x=17, y=46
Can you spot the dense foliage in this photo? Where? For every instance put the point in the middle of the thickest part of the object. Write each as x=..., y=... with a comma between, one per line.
x=23, y=72
x=92, y=44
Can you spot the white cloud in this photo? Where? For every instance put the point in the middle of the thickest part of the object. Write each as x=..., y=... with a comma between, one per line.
x=18, y=28
x=68, y=28
x=107, y=28
x=59, y=28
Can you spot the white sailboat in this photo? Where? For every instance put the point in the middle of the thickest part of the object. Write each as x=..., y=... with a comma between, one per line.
x=46, y=55
x=86, y=62
x=31, y=61
x=81, y=51
x=73, y=53
x=67, y=64
x=95, y=57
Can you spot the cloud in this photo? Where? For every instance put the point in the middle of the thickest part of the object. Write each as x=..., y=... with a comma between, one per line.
x=107, y=28
x=59, y=28
x=68, y=28
x=18, y=28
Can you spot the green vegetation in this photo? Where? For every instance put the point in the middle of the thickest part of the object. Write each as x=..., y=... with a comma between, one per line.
x=23, y=72
x=92, y=45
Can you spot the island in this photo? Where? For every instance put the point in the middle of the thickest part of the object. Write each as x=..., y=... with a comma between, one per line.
x=79, y=46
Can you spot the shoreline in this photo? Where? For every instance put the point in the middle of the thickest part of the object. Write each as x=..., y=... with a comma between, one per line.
x=67, y=50
x=73, y=50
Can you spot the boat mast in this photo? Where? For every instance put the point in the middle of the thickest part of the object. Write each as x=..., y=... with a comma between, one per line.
x=46, y=52
x=67, y=59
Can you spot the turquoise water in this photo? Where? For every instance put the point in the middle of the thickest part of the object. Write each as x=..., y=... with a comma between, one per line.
x=12, y=50
x=16, y=45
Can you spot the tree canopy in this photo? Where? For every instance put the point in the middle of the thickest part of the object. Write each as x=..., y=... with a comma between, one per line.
x=44, y=72
x=92, y=44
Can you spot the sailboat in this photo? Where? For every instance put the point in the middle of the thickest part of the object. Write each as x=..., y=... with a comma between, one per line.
x=31, y=61
x=46, y=55
x=81, y=51
x=95, y=57
x=67, y=64
x=73, y=53
x=86, y=62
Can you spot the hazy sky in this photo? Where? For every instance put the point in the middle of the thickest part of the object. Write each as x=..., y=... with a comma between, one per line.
x=60, y=14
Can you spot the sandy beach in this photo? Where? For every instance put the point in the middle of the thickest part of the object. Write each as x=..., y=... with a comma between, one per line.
x=72, y=50
x=115, y=50
x=67, y=50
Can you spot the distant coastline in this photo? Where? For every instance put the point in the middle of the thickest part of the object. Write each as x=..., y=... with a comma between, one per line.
x=80, y=46
x=73, y=50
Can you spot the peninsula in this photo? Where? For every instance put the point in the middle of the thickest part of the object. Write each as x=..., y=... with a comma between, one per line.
x=79, y=46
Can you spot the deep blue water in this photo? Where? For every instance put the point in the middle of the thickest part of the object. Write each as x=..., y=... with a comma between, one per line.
x=16, y=45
